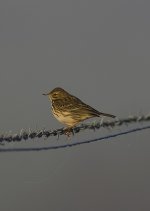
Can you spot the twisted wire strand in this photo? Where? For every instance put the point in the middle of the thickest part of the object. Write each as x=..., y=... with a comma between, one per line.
x=25, y=135
x=74, y=143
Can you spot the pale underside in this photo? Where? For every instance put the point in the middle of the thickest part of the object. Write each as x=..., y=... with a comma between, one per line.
x=67, y=119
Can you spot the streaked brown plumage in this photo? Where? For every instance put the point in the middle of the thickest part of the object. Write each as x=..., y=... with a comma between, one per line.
x=70, y=110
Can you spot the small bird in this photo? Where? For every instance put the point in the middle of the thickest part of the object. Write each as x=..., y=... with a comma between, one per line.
x=70, y=110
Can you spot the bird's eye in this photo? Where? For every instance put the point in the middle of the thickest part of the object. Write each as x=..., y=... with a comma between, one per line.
x=55, y=94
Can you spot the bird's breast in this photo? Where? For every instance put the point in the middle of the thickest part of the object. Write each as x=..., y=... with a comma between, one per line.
x=64, y=117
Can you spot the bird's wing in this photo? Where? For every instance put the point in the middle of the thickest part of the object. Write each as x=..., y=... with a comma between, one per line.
x=74, y=104
x=84, y=108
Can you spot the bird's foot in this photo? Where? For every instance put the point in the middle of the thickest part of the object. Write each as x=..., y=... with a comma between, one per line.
x=68, y=131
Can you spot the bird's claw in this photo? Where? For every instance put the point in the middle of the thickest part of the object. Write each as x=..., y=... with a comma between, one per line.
x=68, y=132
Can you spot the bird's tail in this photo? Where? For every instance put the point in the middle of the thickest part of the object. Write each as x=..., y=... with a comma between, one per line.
x=108, y=115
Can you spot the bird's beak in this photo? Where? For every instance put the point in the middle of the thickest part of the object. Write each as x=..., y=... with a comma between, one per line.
x=45, y=94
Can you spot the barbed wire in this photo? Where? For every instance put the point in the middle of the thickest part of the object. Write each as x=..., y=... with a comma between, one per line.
x=74, y=143
x=32, y=134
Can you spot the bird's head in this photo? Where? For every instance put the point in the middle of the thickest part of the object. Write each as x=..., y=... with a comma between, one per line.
x=57, y=93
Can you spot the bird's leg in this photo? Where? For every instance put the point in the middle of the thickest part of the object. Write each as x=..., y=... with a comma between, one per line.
x=68, y=131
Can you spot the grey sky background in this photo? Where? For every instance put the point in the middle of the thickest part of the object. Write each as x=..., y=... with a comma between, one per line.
x=99, y=51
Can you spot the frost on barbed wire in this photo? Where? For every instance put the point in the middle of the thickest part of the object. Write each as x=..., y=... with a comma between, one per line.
x=28, y=134
x=73, y=144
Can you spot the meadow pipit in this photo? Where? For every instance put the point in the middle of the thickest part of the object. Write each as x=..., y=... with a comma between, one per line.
x=70, y=110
